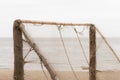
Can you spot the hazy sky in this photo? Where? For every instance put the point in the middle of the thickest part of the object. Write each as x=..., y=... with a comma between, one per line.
x=104, y=13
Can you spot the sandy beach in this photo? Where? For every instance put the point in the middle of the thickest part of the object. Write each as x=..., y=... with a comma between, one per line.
x=7, y=74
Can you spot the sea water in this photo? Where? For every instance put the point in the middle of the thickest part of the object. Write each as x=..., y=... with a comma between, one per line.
x=54, y=51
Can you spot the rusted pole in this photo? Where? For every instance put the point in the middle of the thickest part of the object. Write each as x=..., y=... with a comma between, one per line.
x=92, y=64
x=18, y=52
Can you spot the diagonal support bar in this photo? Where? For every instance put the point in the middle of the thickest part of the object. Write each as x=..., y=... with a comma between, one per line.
x=37, y=50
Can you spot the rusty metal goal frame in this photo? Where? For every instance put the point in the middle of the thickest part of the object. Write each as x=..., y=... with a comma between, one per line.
x=18, y=30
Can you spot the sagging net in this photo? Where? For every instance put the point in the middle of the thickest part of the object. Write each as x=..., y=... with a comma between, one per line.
x=66, y=50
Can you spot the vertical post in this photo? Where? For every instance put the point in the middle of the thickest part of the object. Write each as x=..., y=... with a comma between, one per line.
x=18, y=52
x=92, y=64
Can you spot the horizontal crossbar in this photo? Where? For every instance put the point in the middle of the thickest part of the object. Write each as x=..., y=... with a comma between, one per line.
x=55, y=23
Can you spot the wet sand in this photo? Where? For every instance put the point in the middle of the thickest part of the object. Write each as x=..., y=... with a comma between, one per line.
x=7, y=74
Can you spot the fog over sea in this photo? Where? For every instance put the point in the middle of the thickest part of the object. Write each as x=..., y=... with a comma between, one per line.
x=7, y=54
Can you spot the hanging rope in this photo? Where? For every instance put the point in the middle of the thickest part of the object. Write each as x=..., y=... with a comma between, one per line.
x=108, y=45
x=81, y=45
x=24, y=40
x=66, y=53
x=28, y=50
x=28, y=53
x=80, y=31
